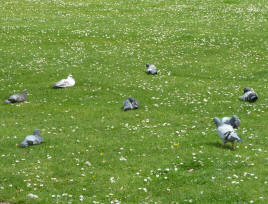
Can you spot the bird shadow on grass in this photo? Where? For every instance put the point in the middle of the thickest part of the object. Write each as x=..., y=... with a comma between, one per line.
x=219, y=145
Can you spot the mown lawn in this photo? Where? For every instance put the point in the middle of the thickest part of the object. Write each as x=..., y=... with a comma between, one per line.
x=167, y=151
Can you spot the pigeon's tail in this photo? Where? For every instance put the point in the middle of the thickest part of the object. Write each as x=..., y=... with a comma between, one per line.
x=217, y=121
x=6, y=102
x=57, y=85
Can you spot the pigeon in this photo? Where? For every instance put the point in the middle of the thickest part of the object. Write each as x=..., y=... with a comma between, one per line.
x=33, y=139
x=234, y=121
x=17, y=97
x=65, y=82
x=226, y=132
x=150, y=69
x=130, y=104
x=249, y=95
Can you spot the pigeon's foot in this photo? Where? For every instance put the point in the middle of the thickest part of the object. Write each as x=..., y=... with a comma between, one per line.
x=25, y=102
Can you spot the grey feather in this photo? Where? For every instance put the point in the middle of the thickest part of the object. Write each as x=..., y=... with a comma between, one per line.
x=33, y=139
x=151, y=69
x=130, y=104
x=17, y=97
x=249, y=95
x=234, y=121
x=226, y=132
x=217, y=121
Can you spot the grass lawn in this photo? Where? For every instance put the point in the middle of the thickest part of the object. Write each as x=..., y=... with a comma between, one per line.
x=168, y=150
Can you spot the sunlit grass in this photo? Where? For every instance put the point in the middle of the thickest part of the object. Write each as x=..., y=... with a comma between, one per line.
x=167, y=151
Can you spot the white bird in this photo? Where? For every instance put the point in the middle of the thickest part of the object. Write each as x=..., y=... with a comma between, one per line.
x=17, y=97
x=151, y=69
x=234, y=121
x=33, y=139
x=249, y=95
x=226, y=132
x=65, y=82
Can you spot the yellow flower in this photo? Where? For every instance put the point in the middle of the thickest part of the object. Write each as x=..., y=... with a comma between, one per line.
x=175, y=144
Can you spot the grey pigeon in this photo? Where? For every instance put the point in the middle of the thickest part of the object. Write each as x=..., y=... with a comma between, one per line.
x=65, y=82
x=33, y=139
x=17, y=97
x=226, y=132
x=234, y=121
x=130, y=104
x=150, y=69
x=249, y=95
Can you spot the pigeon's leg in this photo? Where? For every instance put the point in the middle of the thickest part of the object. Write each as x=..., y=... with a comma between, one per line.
x=232, y=145
x=25, y=102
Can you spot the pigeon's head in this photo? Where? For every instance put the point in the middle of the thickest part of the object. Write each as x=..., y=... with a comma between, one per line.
x=135, y=104
x=147, y=65
x=24, y=91
x=36, y=132
x=246, y=89
x=235, y=121
x=70, y=76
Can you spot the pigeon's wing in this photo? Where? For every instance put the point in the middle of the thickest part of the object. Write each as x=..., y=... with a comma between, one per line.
x=223, y=131
x=151, y=69
x=61, y=83
x=36, y=141
x=31, y=140
x=14, y=98
x=127, y=105
x=71, y=82
x=20, y=98
x=245, y=96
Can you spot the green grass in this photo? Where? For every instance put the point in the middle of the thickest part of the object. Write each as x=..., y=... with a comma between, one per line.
x=206, y=52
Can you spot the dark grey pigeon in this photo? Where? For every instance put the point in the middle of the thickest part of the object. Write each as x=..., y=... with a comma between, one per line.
x=130, y=104
x=150, y=69
x=226, y=132
x=249, y=95
x=234, y=121
x=33, y=139
x=17, y=97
